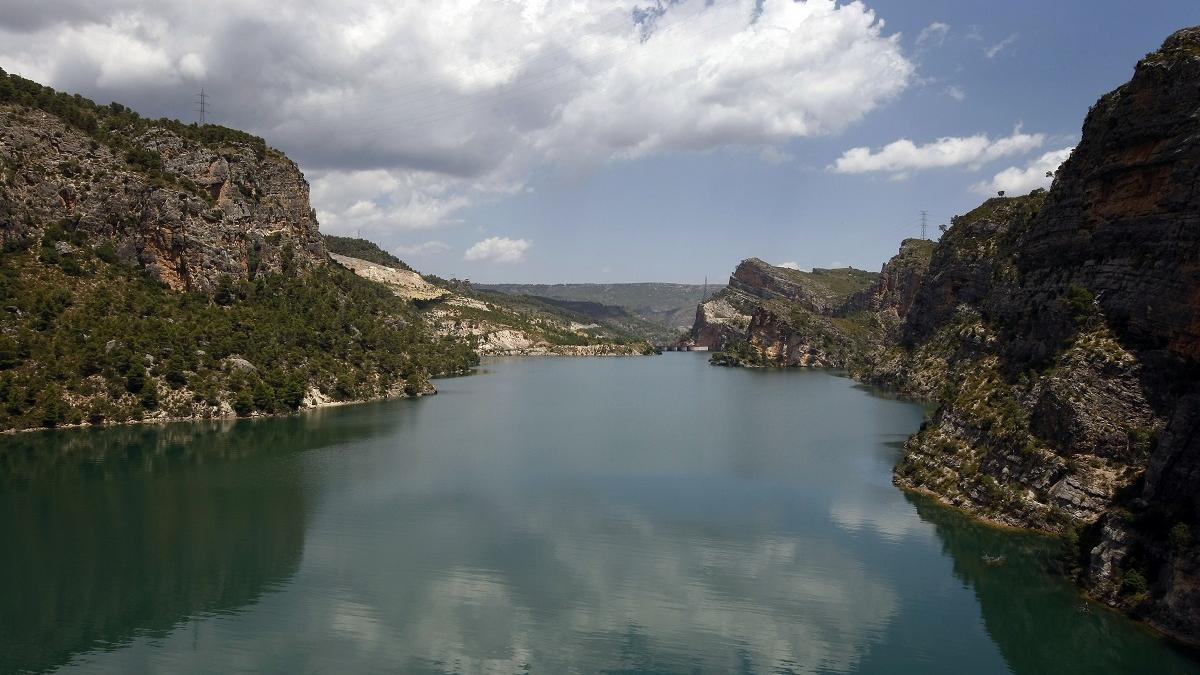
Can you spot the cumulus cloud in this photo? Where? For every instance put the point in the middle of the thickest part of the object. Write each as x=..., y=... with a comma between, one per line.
x=933, y=35
x=1017, y=180
x=439, y=105
x=902, y=156
x=956, y=92
x=498, y=249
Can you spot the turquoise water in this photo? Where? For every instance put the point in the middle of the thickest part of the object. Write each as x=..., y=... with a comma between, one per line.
x=639, y=515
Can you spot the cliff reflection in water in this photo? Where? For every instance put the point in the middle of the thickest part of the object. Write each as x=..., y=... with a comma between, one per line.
x=115, y=533
x=1033, y=613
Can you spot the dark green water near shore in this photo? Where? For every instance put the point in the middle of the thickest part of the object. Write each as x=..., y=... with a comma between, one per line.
x=641, y=515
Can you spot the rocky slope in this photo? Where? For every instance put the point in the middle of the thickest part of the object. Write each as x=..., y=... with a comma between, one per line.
x=494, y=323
x=725, y=317
x=1059, y=334
x=404, y=283
x=775, y=316
x=499, y=324
x=187, y=211
x=155, y=270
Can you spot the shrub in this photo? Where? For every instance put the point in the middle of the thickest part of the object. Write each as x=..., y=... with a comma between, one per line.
x=1180, y=536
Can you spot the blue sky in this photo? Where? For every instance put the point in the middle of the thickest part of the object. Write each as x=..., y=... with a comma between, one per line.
x=681, y=216
x=526, y=142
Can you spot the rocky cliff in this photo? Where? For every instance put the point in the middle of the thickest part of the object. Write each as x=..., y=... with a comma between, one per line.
x=188, y=204
x=155, y=270
x=1059, y=334
x=774, y=316
x=1068, y=326
x=770, y=315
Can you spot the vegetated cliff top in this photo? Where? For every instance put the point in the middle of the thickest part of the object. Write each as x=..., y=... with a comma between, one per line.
x=821, y=288
x=914, y=251
x=114, y=124
x=1183, y=44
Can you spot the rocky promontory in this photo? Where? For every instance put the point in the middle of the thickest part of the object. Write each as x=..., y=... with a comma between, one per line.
x=1059, y=335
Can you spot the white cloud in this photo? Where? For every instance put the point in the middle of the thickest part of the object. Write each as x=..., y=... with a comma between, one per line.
x=498, y=249
x=432, y=247
x=379, y=200
x=1017, y=180
x=933, y=35
x=403, y=113
x=956, y=92
x=899, y=157
x=192, y=66
x=995, y=50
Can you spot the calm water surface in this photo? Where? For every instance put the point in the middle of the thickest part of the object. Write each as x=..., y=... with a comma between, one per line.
x=646, y=515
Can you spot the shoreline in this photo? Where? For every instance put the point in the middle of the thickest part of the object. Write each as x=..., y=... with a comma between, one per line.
x=1173, y=638
x=310, y=408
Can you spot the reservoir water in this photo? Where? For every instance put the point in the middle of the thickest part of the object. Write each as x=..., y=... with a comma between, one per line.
x=637, y=515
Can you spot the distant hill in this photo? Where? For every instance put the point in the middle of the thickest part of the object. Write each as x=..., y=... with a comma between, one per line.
x=672, y=306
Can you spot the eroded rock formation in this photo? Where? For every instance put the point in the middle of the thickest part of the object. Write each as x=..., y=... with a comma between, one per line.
x=1059, y=334
x=188, y=212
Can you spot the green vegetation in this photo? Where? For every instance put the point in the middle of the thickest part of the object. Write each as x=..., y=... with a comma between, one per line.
x=1081, y=303
x=362, y=249
x=841, y=282
x=739, y=353
x=118, y=127
x=114, y=124
x=85, y=340
x=1180, y=536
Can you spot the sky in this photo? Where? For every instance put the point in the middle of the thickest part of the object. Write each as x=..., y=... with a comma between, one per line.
x=548, y=141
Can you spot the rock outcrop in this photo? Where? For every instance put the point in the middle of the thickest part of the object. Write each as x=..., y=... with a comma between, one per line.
x=157, y=270
x=404, y=283
x=1069, y=391
x=1059, y=334
x=188, y=212
x=770, y=315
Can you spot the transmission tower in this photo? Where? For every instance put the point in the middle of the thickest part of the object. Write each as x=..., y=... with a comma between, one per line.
x=704, y=296
x=202, y=105
x=924, y=224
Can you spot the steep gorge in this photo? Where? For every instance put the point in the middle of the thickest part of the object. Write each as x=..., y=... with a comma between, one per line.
x=1059, y=334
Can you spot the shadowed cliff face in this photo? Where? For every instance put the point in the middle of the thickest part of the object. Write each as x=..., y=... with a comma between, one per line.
x=1068, y=384
x=201, y=212
x=1060, y=335
x=1123, y=218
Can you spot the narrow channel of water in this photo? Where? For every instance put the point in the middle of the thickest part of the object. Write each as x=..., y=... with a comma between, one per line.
x=638, y=515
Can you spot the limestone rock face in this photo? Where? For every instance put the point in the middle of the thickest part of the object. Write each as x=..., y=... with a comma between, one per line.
x=404, y=283
x=1059, y=334
x=211, y=209
x=1070, y=394
x=899, y=281
x=719, y=322
x=1123, y=218
x=779, y=316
